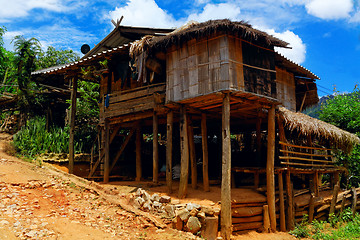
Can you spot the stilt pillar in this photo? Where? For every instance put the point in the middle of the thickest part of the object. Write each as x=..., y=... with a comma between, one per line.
x=184, y=151
x=169, y=148
x=155, y=149
x=72, y=125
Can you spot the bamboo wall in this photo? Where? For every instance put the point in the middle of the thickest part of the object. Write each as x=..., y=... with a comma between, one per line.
x=285, y=88
x=203, y=66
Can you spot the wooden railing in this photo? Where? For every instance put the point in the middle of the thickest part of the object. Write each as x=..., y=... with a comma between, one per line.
x=305, y=157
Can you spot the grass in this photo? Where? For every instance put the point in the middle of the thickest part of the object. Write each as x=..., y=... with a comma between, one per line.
x=342, y=226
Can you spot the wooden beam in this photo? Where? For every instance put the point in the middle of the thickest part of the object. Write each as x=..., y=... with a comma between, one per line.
x=316, y=183
x=122, y=148
x=184, y=150
x=107, y=152
x=281, y=203
x=258, y=139
x=192, y=153
x=270, y=178
x=138, y=154
x=155, y=148
x=290, y=202
x=72, y=125
x=334, y=198
x=169, y=149
x=226, y=171
x=205, y=154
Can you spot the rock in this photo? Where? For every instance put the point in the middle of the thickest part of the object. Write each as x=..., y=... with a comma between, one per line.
x=160, y=230
x=31, y=234
x=217, y=211
x=139, y=192
x=191, y=206
x=175, y=201
x=138, y=202
x=201, y=216
x=193, y=224
x=177, y=223
x=3, y=222
x=170, y=211
x=165, y=199
x=210, y=228
x=208, y=211
x=146, y=196
x=157, y=205
x=147, y=206
x=194, y=212
x=155, y=197
x=184, y=214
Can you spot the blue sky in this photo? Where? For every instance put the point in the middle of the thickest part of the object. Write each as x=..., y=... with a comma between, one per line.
x=324, y=34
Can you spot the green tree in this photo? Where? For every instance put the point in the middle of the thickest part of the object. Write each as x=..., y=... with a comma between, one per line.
x=343, y=111
x=53, y=57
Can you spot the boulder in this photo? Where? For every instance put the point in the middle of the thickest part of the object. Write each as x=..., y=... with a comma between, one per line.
x=194, y=212
x=193, y=224
x=177, y=223
x=191, y=206
x=208, y=211
x=147, y=206
x=155, y=197
x=165, y=199
x=146, y=196
x=170, y=211
x=138, y=202
x=184, y=214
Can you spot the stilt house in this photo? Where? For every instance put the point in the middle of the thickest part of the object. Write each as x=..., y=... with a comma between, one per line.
x=216, y=99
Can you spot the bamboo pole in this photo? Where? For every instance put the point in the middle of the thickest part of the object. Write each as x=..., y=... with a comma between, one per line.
x=226, y=170
x=184, y=149
x=138, y=154
x=290, y=202
x=281, y=203
x=169, y=148
x=155, y=149
x=107, y=152
x=72, y=125
x=205, y=154
x=270, y=186
x=192, y=153
x=354, y=201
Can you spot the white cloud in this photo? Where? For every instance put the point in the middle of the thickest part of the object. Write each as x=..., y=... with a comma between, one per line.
x=144, y=13
x=297, y=53
x=216, y=11
x=330, y=9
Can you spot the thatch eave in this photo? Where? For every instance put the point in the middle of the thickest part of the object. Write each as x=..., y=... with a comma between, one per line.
x=198, y=30
x=306, y=125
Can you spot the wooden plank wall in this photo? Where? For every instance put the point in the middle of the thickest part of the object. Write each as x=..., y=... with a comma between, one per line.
x=285, y=88
x=260, y=81
x=203, y=66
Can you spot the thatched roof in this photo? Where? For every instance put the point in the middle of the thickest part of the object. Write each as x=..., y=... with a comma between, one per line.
x=306, y=125
x=197, y=30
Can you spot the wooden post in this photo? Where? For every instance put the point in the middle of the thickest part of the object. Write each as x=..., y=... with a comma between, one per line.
x=138, y=154
x=270, y=178
x=290, y=202
x=226, y=171
x=354, y=201
x=311, y=207
x=107, y=152
x=169, y=148
x=258, y=139
x=266, y=218
x=205, y=153
x=316, y=183
x=192, y=154
x=72, y=125
x=334, y=198
x=155, y=149
x=184, y=150
x=282, y=205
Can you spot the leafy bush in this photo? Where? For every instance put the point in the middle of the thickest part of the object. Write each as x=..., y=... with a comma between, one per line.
x=33, y=139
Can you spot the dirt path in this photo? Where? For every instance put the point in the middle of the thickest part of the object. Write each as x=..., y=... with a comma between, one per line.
x=41, y=203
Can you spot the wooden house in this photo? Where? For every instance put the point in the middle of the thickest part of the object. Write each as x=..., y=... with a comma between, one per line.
x=218, y=81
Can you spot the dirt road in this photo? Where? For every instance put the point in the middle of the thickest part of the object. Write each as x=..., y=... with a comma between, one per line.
x=42, y=203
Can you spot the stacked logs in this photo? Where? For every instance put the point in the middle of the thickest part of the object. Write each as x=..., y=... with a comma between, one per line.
x=247, y=215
